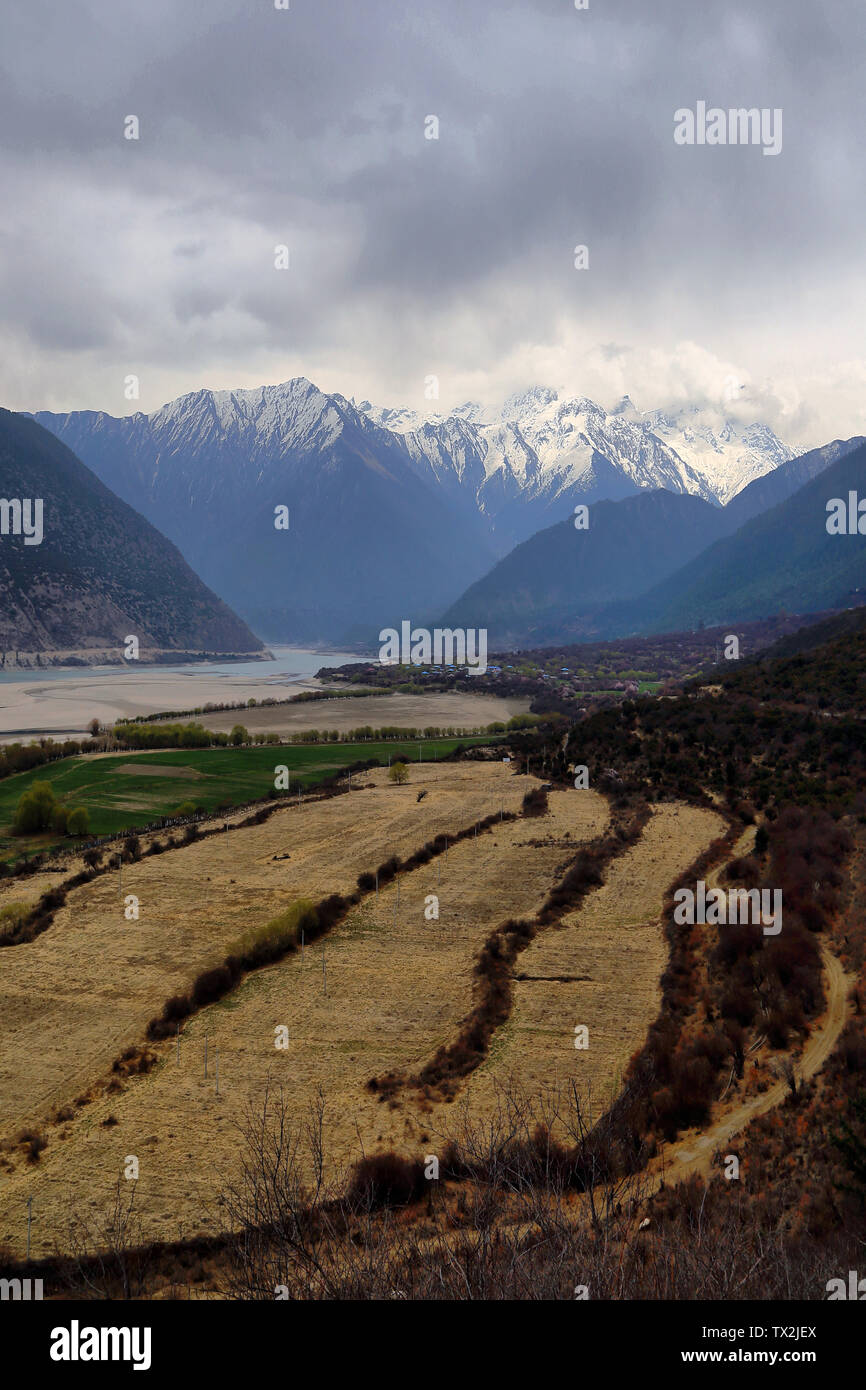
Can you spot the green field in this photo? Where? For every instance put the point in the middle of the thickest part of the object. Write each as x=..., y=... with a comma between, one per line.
x=209, y=777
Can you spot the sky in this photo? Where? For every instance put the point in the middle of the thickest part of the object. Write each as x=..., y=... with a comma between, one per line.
x=717, y=275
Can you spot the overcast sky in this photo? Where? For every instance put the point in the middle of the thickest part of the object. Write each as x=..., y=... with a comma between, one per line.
x=412, y=257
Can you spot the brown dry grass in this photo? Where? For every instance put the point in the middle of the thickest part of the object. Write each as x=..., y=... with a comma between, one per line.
x=71, y=999
x=397, y=986
x=599, y=967
x=403, y=711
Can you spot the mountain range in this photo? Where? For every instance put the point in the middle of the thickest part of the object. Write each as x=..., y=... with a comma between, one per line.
x=95, y=572
x=364, y=530
x=390, y=514
x=769, y=564
x=658, y=562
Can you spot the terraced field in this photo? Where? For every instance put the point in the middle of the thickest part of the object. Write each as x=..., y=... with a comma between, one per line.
x=396, y=983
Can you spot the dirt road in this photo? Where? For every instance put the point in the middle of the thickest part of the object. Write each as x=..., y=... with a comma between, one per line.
x=693, y=1155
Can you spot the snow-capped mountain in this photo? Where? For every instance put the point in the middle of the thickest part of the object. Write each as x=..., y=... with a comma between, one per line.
x=728, y=455
x=368, y=542
x=390, y=511
x=527, y=464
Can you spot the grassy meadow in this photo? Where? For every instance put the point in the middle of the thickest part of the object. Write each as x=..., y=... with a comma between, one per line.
x=125, y=790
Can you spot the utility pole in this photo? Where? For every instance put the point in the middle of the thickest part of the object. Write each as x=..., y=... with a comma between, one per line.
x=178, y=1044
x=29, y=1222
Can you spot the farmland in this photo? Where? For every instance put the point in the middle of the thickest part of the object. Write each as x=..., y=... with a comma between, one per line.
x=386, y=989
x=125, y=790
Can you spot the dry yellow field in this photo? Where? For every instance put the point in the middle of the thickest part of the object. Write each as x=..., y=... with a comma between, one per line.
x=396, y=986
x=72, y=998
x=448, y=710
x=598, y=968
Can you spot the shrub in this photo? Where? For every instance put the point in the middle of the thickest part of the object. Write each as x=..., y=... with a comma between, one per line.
x=278, y=936
x=535, y=802
x=34, y=1143
x=28, y=816
x=11, y=920
x=388, y=870
x=211, y=985
x=386, y=1180
x=78, y=822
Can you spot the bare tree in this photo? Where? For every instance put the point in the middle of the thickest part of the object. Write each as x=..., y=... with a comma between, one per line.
x=104, y=1256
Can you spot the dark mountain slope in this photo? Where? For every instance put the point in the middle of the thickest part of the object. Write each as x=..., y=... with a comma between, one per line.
x=558, y=581
x=101, y=572
x=369, y=542
x=784, y=481
x=784, y=558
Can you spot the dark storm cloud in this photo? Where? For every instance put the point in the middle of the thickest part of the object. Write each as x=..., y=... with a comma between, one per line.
x=306, y=126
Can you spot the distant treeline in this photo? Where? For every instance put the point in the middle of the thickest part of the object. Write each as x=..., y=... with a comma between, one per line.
x=23, y=757
x=185, y=736
x=303, y=697
x=196, y=736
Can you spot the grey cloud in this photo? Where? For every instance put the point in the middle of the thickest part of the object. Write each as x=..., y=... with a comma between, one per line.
x=262, y=126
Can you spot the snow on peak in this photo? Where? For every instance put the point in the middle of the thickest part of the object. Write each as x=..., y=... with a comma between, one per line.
x=528, y=402
x=536, y=440
x=728, y=454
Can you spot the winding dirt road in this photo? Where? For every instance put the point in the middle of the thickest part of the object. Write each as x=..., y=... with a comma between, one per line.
x=690, y=1156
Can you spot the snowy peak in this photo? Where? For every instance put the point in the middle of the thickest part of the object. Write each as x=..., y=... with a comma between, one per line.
x=513, y=468
x=729, y=455
x=524, y=404
x=547, y=441
x=290, y=415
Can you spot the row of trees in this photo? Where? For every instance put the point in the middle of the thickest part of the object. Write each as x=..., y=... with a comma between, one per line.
x=24, y=757
x=184, y=736
x=197, y=736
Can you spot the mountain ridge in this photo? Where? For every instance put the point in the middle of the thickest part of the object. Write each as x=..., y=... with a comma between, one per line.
x=101, y=571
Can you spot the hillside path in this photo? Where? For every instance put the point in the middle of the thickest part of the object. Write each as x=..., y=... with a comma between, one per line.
x=694, y=1156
